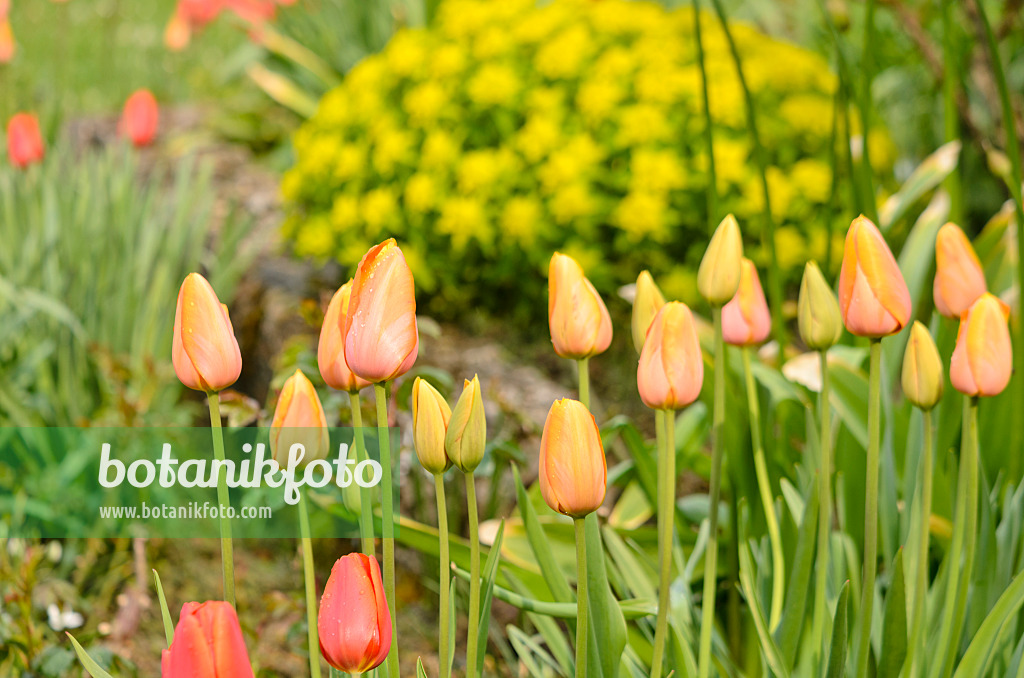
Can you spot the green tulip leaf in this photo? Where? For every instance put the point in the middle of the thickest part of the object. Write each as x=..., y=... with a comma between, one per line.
x=837, y=653
x=88, y=662
x=894, y=624
x=165, y=614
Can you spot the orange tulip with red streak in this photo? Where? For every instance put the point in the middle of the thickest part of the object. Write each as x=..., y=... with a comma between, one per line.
x=982, y=361
x=959, y=280
x=354, y=622
x=671, y=370
x=381, y=337
x=24, y=140
x=299, y=419
x=873, y=296
x=204, y=349
x=573, y=470
x=207, y=644
x=577, y=317
x=746, y=320
x=140, y=118
x=330, y=351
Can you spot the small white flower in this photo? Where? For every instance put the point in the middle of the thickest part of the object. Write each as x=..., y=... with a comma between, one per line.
x=63, y=619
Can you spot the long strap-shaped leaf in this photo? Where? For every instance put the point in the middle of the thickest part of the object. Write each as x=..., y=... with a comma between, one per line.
x=165, y=614
x=979, y=652
x=837, y=655
x=88, y=662
x=553, y=575
x=772, y=654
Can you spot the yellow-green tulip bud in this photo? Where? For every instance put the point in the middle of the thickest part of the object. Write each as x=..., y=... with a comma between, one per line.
x=645, y=306
x=820, y=322
x=718, y=277
x=922, y=369
x=467, y=429
x=430, y=416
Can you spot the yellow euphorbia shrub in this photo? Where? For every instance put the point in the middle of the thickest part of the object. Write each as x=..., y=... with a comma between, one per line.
x=509, y=130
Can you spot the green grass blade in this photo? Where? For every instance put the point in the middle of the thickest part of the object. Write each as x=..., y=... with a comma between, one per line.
x=91, y=667
x=837, y=655
x=165, y=614
x=894, y=624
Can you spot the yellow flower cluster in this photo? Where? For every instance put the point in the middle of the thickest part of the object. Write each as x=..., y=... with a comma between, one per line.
x=510, y=129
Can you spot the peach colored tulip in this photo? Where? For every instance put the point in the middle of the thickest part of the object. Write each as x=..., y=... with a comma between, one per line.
x=646, y=304
x=873, y=296
x=959, y=280
x=24, y=140
x=354, y=621
x=139, y=119
x=207, y=643
x=381, y=338
x=573, y=471
x=178, y=33
x=671, y=370
x=299, y=420
x=204, y=349
x=577, y=317
x=330, y=352
x=983, y=358
x=745, y=319
x=7, y=44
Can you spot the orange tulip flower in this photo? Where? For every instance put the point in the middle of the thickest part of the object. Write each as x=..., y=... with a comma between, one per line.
x=381, y=339
x=671, y=370
x=207, y=644
x=746, y=320
x=178, y=33
x=139, y=119
x=299, y=419
x=873, y=296
x=573, y=471
x=7, y=44
x=24, y=140
x=959, y=280
x=354, y=621
x=983, y=358
x=578, y=319
x=204, y=349
x=330, y=352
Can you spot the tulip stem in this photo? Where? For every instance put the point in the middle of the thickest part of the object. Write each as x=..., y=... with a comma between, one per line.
x=964, y=541
x=387, y=517
x=824, y=511
x=474, y=578
x=226, y=553
x=666, y=522
x=764, y=486
x=445, y=569
x=584, y=369
x=709, y=147
x=310, y=578
x=711, y=554
x=581, y=597
x=867, y=593
x=925, y=510
x=365, y=501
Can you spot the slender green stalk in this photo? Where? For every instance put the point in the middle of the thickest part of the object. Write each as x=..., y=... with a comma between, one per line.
x=666, y=522
x=365, y=501
x=584, y=376
x=445, y=574
x=387, y=517
x=709, y=144
x=474, y=578
x=764, y=486
x=924, y=480
x=581, y=598
x=226, y=551
x=768, y=236
x=867, y=592
x=310, y=578
x=824, y=512
x=864, y=104
x=711, y=553
x=965, y=536
x=950, y=116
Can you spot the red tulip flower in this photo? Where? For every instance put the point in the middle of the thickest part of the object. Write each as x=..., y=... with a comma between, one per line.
x=24, y=140
x=354, y=623
x=140, y=117
x=207, y=644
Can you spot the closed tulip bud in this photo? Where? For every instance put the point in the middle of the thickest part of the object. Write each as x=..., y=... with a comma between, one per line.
x=983, y=358
x=718, y=277
x=818, y=315
x=178, y=33
x=7, y=44
x=299, y=420
x=139, y=119
x=959, y=280
x=873, y=296
x=573, y=471
x=922, y=369
x=746, y=320
x=354, y=622
x=24, y=140
x=330, y=352
x=204, y=350
x=577, y=317
x=466, y=437
x=646, y=304
x=430, y=417
x=381, y=339
x=207, y=644
x=671, y=370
